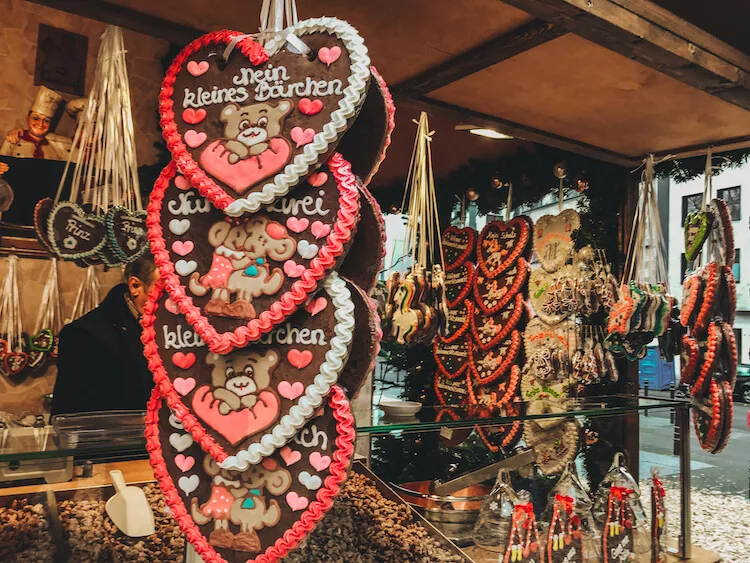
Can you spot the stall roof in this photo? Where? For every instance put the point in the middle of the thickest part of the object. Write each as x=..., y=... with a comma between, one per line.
x=613, y=79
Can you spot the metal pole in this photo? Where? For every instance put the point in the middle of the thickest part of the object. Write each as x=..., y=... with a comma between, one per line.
x=686, y=540
x=672, y=389
x=645, y=394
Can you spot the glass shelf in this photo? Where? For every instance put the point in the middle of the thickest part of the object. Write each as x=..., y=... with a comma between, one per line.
x=26, y=444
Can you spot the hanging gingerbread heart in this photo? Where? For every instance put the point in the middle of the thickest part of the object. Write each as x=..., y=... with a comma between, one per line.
x=364, y=260
x=451, y=392
x=722, y=231
x=697, y=227
x=368, y=138
x=236, y=278
x=126, y=233
x=487, y=366
x=708, y=416
x=727, y=408
x=42, y=211
x=72, y=233
x=552, y=299
x=365, y=343
x=248, y=128
x=452, y=357
x=458, y=246
x=14, y=362
x=261, y=513
x=492, y=294
x=458, y=284
x=496, y=393
x=553, y=244
x=489, y=330
x=244, y=405
x=539, y=335
x=501, y=244
x=458, y=321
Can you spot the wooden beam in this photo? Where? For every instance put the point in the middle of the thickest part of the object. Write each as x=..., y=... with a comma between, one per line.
x=698, y=150
x=523, y=131
x=126, y=18
x=495, y=50
x=663, y=42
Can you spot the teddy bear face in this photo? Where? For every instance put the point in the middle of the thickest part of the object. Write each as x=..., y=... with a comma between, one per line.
x=256, y=123
x=244, y=372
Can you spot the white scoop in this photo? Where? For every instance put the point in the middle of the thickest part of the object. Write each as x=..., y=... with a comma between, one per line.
x=129, y=509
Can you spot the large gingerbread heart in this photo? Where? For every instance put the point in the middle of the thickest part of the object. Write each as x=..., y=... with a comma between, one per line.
x=369, y=137
x=247, y=130
x=364, y=260
x=72, y=233
x=492, y=294
x=126, y=233
x=236, y=278
x=258, y=514
x=452, y=357
x=244, y=405
x=458, y=284
x=489, y=330
x=458, y=246
x=501, y=244
x=488, y=366
x=553, y=244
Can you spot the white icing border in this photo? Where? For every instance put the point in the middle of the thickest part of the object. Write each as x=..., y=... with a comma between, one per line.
x=330, y=369
x=353, y=97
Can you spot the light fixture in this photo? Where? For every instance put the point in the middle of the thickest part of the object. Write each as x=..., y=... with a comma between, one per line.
x=482, y=131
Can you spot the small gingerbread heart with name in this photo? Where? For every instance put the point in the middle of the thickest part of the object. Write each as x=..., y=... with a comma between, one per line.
x=452, y=357
x=458, y=283
x=492, y=294
x=501, y=244
x=487, y=366
x=458, y=246
x=268, y=117
x=451, y=392
x=74, y=234
x=553, y=241
x=126, y=233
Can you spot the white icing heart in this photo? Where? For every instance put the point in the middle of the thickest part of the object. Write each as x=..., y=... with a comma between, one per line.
x=307, y=250
x=179, y=226
x=188, y=484
x=185, y=268
x=180, y=442
x=311, y=482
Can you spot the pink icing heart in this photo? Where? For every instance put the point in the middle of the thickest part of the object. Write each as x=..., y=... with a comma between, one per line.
x=299, y=358
x=183, y=248
x=183, y=385
x=237, y=425
x=316, y=306
x=317, y=179
x=329, y=56
x=292, y=269
x=297, y=225
x=184, y=463
x=319, y=462
x=193, y=116
x=320, y=229
x=183, y=361
x=171, y=306
x=310, y=107
x=197, y=68
x=193, y=139
x=289, y=455
x=181, y=182
x=299, y=136
x=291, y=390
x=296, y=502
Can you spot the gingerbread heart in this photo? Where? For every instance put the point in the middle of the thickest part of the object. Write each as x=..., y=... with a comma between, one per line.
x=365, y=343
x=546, y=288
x=458, y=246
x=249, y=128
x=452, y=357
x=727, y=409
x=487, y=366
x=722, y=232
x=709, y=415
x=496, y=393
x=553, y=243
x=42, y=211
x=364, y=260
x=72, y=233
x=15, y=362
x=236, y=278
x=126, y=233
x=501, y=244
x=540, y=335
x=689, y=360
x=497, y=437
x=697, y=226
x=458, y=321
x=42, y=340
x=262, y=512
x=492, y=294
x=244, y=405
x=489, y=330
x=368, y=138
x=451, y=392
x=458, y=284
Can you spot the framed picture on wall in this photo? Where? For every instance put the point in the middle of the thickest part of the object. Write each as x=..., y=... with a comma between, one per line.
x=61, y=60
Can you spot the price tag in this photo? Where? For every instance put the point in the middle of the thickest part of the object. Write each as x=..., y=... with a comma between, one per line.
x=446, y=433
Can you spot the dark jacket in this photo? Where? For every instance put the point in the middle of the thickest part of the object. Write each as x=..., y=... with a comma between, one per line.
x=100, y=364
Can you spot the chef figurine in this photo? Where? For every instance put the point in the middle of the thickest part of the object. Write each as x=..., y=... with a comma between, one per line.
x=35, y=141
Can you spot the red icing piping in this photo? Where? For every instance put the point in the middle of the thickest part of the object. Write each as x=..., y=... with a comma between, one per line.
x=442, y=368
x=521, y=278
x=289, y=302
x=471, y=274
x=391, y=110
x=508, y=360
x=518, y=309
x=198, y=178
x=461, y=258
x=312, y=515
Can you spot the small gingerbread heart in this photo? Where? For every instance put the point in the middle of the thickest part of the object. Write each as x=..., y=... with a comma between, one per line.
x=696, y=227
x=458, y=246
x=501, y=244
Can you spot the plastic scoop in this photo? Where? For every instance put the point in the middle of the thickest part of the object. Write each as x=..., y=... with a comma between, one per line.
x=129, y=509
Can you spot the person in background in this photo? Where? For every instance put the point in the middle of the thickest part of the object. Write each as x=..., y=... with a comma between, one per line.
x=100, y=365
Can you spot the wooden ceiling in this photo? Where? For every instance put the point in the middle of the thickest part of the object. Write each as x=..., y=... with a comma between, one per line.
x=614, y=79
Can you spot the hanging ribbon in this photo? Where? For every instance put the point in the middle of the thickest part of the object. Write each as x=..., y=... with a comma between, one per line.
x=87, y=297
x=50, y=310
x=566, y=502
x=10, y=308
